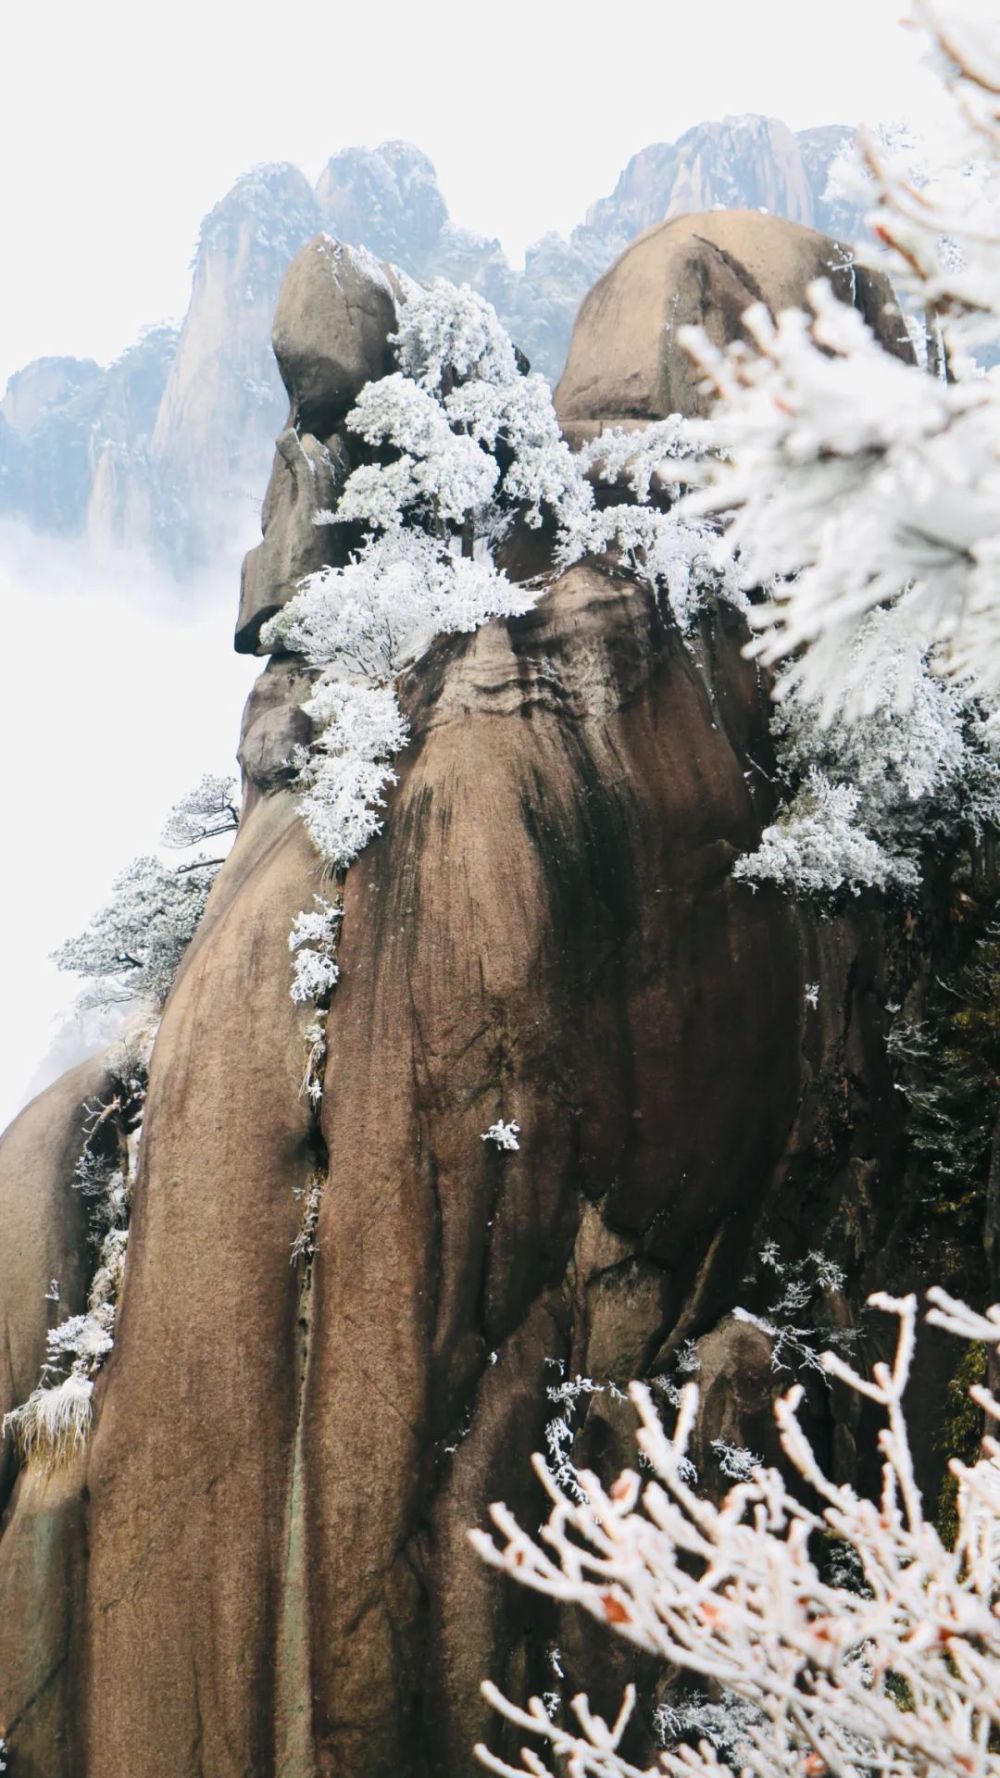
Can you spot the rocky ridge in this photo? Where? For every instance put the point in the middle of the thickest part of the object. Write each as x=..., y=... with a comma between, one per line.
x=166, y=450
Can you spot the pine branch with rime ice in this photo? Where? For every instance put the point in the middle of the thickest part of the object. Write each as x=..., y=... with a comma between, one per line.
x=897, y=1671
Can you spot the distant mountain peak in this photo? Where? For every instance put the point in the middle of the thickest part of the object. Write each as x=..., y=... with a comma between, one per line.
x=169, y=447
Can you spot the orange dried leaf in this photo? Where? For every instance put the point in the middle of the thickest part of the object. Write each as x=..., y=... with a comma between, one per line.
x=614, y=1610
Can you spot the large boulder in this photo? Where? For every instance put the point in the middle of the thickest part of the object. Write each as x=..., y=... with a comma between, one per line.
x=332, y=326
x=625, y=361
x=336, y=309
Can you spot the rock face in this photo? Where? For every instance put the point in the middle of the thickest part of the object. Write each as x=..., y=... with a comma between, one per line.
x=214, y=427
x=741, y=163
x=625, y=361
x=331, y=331
x=177, y=468
x=62, y=424
x=42, y=1262
x=260, y=1564
x=327, y=351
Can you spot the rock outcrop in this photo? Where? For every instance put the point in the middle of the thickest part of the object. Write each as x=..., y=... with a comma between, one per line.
x=331, y=331
x=742, y=163
x=260, y=1565
x=62, y=424
x=43, y=1258
x=625, y=360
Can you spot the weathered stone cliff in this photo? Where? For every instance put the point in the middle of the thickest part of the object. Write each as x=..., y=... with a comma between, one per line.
x=259, y=1565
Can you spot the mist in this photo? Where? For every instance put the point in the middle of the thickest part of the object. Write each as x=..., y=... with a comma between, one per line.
x=122, y=689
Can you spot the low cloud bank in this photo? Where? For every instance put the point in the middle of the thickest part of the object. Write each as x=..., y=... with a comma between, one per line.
x=121, y=690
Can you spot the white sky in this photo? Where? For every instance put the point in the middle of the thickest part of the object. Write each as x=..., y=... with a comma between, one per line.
x=122, y=123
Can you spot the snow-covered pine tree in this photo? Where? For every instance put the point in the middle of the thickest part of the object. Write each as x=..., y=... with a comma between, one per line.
x=132, y=946
x=850, y=479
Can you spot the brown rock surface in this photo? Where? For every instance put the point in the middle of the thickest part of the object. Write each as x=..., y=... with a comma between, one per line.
x=335, y=311
x=625, y=362
x=42, y=1232
x=279, y=1578
x=286, y=1458
x=306, y=479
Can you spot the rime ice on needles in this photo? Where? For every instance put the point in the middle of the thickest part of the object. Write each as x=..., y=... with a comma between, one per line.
x=315, y=974
x=448, y=335
x=735, y=1461
x=313, y=939
x=380, y=613
x=345, y=776
x=913, y=762
x=439, y=473
x=899, y=1674
x=132, y=947
x=816, y=847
x=205, y=812
x=503, y=1135
x=852, y=478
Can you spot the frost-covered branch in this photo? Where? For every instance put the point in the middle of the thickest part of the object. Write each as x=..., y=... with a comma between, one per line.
x=853, y=479
x=205, y=812
x=897, y=1672
x=133, y=945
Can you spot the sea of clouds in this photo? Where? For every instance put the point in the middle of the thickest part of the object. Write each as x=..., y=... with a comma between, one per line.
x=120, y=689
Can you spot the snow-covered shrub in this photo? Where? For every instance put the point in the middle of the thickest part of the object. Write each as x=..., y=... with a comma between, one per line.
x=678, y=557
x=304, y=1244
x=853, y=479
x=794, y=1319
x=315, y=973
x=722, y=1724
x=736, y=1462
x=56, y=1417
x=380, y=613
x=132, y=946
x=568, y=1395
x=503, y=1135
x=345, y=776
x=131, y=949
x=893, y=1668
x=817, y=847
x=206, y=812
x=914, y=763
x=313, y=939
